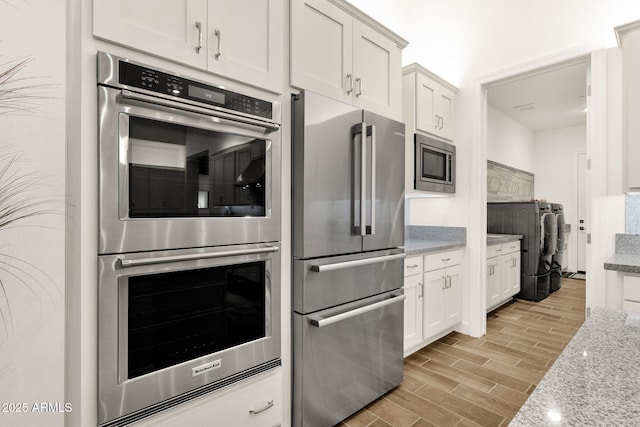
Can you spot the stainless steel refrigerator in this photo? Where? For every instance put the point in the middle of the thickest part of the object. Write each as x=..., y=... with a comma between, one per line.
x=348, y=233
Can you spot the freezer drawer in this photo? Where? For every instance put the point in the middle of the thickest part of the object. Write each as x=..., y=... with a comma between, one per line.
x=326, y=282
x=346, y=357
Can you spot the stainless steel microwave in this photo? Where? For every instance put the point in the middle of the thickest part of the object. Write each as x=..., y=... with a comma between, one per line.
x=435, y=165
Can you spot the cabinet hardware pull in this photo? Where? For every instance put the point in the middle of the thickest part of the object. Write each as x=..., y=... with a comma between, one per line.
x=446, y=259
x=420, y=290
x=359, y=81
x=264, y=408
x=218, y=34
x=350, y=77
x=444, y=282
x=441, y=122
x=449, y=277
x=412, y=266
x=199, y=27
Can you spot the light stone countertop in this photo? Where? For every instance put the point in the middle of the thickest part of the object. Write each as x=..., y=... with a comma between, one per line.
x=596, y=379
x=496, y=239
x=626, y=263
x=419, y=246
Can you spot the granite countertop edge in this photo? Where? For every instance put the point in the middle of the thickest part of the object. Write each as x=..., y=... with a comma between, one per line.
x=505, y=238
x=419, y=246
x=626, y=263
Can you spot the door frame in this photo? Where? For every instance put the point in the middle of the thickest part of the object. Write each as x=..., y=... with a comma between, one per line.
x=478, y=169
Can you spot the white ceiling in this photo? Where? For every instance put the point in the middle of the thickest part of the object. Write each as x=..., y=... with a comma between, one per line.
x=544, y=100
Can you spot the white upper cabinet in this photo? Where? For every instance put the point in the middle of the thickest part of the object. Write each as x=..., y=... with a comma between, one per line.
x=215, y=35
x=430, y=102
x=246, y=41
x=340, y=53
x=169, y=28
x=629, y=40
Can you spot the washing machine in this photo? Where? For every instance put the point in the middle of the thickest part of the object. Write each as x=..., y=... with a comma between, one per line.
x=536, y=222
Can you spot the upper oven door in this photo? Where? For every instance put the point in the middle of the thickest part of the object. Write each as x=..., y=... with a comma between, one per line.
x=179, y=176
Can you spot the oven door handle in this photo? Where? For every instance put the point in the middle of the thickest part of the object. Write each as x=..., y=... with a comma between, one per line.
x=319, y=321
x=126, y=262
x=221, y=116
x=355, y=263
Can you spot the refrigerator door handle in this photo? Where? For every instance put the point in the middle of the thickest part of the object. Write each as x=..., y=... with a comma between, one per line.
x=372, y=227
x=319, y=321
x=360, y=129
x=355, y=263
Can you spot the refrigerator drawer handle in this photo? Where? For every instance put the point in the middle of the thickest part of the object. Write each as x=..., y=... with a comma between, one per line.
x=125, y=262
x=321, y=322
x=355, y=263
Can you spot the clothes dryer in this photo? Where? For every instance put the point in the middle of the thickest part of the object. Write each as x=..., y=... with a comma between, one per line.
x=536, y=222
x=555, y=276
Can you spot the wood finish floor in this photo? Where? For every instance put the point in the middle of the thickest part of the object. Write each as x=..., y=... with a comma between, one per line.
x=464, y=381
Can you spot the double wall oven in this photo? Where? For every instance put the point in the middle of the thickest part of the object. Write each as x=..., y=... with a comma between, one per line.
x=189, y=230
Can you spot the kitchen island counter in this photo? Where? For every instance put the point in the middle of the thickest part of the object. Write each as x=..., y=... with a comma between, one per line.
x=594, y=382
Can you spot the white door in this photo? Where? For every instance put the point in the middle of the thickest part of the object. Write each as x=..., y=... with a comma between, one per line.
x=434, y=304
x=247, y=46
x=173, y=29
x=321, y=49
x=453, y=296
x=413, y=310
x=582, y=227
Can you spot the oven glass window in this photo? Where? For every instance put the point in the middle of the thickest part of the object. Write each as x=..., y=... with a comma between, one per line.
x=434, y=165
x=179, y=316
x=181, y=171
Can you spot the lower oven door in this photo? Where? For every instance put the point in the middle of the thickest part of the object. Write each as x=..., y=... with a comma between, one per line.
x=346, y=357
x=177, y=324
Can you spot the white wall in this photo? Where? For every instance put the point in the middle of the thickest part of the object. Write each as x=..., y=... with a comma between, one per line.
x=555, y=169
x=32, y=275
x=509, y=142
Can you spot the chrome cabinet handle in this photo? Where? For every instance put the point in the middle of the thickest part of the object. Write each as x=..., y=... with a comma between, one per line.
x=355, y=263
x=264, y=408
x=446, y=259
x=126, y=262
x=420, y=290
x=441, y=122
x=444, y=282
x=359, y=81
x=437, y=121
x=350, y=77
x=412, y=266
x=199, y=27
x=218, y=34
x=320, y=322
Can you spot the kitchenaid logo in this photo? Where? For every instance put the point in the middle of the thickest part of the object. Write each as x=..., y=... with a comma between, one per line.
x=206, y=367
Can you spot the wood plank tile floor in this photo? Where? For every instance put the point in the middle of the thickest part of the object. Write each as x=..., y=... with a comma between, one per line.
x=463, y=381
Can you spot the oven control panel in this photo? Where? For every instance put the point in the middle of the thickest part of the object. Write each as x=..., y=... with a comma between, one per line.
x=137, y=76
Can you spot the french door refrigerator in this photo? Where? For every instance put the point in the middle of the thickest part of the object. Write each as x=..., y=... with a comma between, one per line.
x=348, y=233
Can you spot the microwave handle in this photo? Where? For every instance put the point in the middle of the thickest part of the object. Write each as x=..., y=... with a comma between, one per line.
x=126, y=262
x=226, y=118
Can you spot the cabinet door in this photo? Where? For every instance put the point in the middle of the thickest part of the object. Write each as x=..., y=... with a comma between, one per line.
x=445, y=111
x=166, y=28
x=245, y=40
x=426, y=98
x=453, y=296
x=507, y=267
x=377, y=72
x=412, y=311
x=515, y=274
x=434, y=310
x=321, y=48
x=631, y=69
x=493, y=282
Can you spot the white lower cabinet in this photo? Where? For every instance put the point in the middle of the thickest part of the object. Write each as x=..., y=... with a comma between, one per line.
x=433, y=305
x=503, y=273
x=254, y=402
x=631, y=293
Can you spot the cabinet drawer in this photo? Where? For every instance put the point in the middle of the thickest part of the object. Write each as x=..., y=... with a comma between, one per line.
x=413, y=265
x=442, y=259
x=631, y=288
x=510, y=247
x=631, y=306
x=494, y=250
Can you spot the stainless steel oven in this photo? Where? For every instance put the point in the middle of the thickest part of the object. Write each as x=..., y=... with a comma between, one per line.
x=180, y=323
x=435, y=165
x=183, y=163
